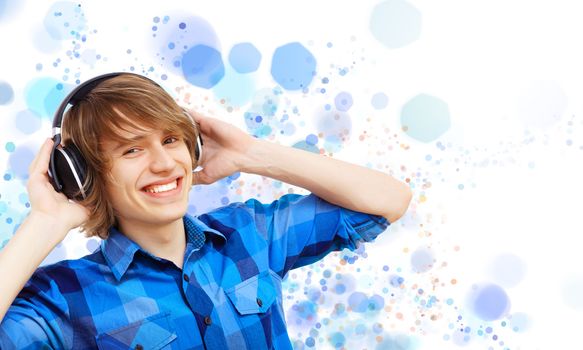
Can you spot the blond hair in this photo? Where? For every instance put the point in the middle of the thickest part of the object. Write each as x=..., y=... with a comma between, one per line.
x=123, y=103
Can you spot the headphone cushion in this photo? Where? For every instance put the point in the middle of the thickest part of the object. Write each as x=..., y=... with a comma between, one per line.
x=71, y=169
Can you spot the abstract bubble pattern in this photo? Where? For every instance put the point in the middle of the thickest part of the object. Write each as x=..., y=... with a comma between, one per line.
x=235, y=89
x=202, y=66
x=65, y=20
x=425, y=118
x=395, y=23
x=508, y=269
x=489, y=302
x=293, y=66
x=6, y=93
x=44, y=95
x=28, y=122
x=379, y=100
x=244, y=58
x=173, y=35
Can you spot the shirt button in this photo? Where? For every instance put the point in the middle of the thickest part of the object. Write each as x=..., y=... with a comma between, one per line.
x=139, y=347
x=259, y=302
x=186, y=278
x=208, y=320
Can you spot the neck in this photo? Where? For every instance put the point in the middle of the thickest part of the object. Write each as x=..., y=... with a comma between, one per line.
x=167, y=241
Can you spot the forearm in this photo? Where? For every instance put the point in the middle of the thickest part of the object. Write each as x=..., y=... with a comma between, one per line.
x=22, y=255
x=344, y=184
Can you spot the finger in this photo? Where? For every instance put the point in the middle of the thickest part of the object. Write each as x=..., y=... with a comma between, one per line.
x=40, y=163
x=201, y=120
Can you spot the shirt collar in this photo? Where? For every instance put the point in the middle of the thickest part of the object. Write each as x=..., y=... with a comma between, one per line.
x=119, y=250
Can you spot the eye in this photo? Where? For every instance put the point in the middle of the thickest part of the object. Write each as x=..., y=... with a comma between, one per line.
x=171, y=139
x=131, y=151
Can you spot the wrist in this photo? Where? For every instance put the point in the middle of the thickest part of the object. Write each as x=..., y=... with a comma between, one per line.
x=256, y=159
x=48, y=223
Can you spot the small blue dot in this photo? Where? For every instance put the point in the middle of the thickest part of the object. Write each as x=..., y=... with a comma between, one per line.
x=182, y=25
x=10, y=146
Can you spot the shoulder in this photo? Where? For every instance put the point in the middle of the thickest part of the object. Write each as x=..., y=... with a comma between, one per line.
x=251, y=208
x=67, y=275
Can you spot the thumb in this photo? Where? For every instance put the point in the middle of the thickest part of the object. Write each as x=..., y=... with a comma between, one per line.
x=202, y=178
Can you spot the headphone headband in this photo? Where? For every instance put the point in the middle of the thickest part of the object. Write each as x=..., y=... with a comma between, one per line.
x=79, y=94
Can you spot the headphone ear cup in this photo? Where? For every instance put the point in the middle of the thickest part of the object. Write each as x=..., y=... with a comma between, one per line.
x=71, y=169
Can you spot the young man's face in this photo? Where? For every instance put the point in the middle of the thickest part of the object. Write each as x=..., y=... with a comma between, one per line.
x=153, y=176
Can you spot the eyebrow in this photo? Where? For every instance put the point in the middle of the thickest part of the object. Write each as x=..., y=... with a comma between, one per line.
x=129, y=140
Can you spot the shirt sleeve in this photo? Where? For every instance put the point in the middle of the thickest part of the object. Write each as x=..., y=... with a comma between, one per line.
x=35, y=318
x=303, y=229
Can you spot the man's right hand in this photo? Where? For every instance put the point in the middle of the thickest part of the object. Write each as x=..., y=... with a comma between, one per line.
x=48, y=203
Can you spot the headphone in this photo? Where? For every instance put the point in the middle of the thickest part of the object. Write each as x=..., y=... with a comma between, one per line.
x=67, y=167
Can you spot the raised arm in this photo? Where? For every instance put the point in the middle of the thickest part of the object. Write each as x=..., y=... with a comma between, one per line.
x=50, y=219
x=228, y=150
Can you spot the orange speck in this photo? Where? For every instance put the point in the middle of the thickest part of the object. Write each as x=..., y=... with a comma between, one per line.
x=453, y=281
x=399, y=316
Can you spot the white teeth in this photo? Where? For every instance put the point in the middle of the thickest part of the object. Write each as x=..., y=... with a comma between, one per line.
x=162, y=188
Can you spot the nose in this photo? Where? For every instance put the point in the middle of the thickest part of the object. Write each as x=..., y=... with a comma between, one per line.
x=161, y=160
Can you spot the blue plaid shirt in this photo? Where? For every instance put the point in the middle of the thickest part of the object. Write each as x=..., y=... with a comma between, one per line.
x=228, y=294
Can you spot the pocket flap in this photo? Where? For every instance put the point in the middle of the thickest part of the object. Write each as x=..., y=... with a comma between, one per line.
x=153, y=332
x=255, y=294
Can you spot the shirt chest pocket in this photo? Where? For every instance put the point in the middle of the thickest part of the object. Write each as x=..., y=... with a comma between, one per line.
x=154, y=332
x=255, y=295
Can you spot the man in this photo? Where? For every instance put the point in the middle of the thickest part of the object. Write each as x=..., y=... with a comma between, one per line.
x=162, y=278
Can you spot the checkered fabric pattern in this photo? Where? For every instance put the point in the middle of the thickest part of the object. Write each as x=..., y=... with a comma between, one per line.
x=227, y=296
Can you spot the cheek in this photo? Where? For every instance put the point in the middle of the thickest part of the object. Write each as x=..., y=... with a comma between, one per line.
x=122, y=182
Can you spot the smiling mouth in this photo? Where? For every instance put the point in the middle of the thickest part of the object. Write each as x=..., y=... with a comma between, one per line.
x=163, y=188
